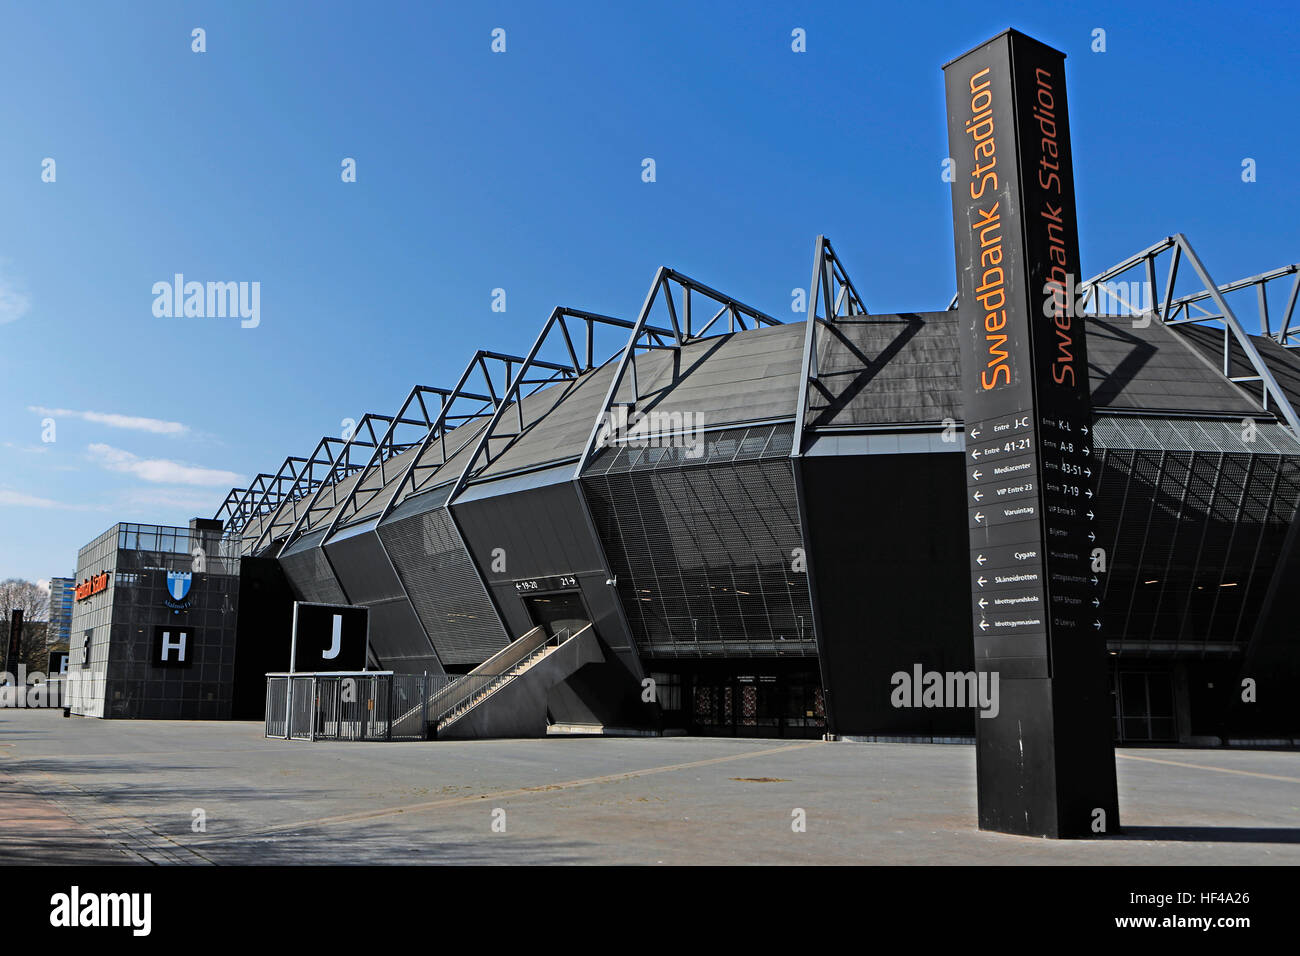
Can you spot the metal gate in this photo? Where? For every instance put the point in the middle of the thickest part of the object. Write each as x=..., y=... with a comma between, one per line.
x=350, y=705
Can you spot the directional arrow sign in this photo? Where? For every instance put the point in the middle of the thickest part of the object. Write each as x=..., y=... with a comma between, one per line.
x=978, y=496
x=980, y=560
x=983, y=603
x=982, y=581
x=979, y=516
x=977, y=474
x=984, y=625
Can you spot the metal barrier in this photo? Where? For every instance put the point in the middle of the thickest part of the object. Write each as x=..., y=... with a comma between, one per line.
x=350, y=705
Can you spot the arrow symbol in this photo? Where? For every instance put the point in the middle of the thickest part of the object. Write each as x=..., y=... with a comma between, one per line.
x=979, y=516
x=1094, y=580
x=984, y=625
x=1084, y=429
x=983, y=603
x=980, y=581
x=975, y=433
x=1096, y=603
x=1086, y=450
x=1097, y=625
x=975, y=453
x=1088, y=472
x=980, y=560
x=978, y=495
x=1090, y=514
x=1091, y=536
x=1088, y=492
x=977, y=474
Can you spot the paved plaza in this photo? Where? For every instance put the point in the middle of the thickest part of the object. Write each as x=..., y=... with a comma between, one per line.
x=92, y=791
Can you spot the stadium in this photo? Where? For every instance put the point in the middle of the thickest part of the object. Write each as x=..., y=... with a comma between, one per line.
x=765, y=519
x=702, y=519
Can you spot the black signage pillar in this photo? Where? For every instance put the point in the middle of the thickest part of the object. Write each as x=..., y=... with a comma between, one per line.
x=14, y=652
x=1046, y=761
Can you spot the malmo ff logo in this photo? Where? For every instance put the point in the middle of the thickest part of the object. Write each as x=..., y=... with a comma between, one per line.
x=76, y=909
x=178, y=589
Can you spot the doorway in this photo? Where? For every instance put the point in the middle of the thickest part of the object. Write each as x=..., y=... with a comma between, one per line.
x=564, y=610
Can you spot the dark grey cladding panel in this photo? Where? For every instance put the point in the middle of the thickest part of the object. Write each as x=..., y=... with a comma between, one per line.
x=309, y=572
x=558, y=423
x=362, y=568
x=542, y=531
x=420, y=504
x=1283, y=363
x=744, y=376
x=905, y=369
x=738, y=377
x=1156, y=368
x=369, y=578
x=887, y=369
x=398, y=640
x=444, y=589
x=304, y=543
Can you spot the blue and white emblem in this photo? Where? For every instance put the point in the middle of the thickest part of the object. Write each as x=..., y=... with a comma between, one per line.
x=178, y=584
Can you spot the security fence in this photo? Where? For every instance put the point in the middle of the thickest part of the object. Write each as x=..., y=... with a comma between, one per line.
x=351, y=705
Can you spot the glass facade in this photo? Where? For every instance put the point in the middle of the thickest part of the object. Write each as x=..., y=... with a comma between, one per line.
x=706, y=546
x=1192, y=519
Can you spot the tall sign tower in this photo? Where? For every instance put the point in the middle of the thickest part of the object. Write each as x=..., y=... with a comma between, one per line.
x=1046, y=762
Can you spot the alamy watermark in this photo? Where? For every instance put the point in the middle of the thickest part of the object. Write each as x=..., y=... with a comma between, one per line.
x=212, y=300
x=946, y=689
x=621, y=426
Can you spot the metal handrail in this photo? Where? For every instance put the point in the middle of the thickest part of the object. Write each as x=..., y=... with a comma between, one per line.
x=493, y=682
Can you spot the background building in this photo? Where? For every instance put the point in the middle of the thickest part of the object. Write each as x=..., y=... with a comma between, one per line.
x=61, y=599
x=153, y=625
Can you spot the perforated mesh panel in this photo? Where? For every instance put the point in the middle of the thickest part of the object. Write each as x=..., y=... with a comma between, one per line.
x=443, y=586
x=309, y=572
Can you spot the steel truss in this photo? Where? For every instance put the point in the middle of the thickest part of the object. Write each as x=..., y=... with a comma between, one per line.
x=680, y=330
x=831, y=288
x=304, y=489
x=1184, y=310
x=1174, y=311
x=580, y=362
x=304, y=477
x=384, y=447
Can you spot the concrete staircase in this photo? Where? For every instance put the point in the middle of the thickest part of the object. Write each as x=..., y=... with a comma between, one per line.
x=505, y=696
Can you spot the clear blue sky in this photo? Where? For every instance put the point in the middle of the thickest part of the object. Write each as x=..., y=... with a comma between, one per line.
x=521, y=171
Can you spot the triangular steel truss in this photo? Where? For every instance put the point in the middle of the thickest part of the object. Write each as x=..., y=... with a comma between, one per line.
x=1187, y=309
x=831, y=297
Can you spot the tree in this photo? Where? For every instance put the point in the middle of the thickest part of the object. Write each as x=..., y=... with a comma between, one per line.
x=35, y=604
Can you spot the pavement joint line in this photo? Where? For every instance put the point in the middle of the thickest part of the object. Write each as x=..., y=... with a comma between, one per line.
x=1197, y=766
x=130, y=833
x=524, y=791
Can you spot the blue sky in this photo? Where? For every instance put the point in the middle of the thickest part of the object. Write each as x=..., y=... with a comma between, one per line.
x=518, y=170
